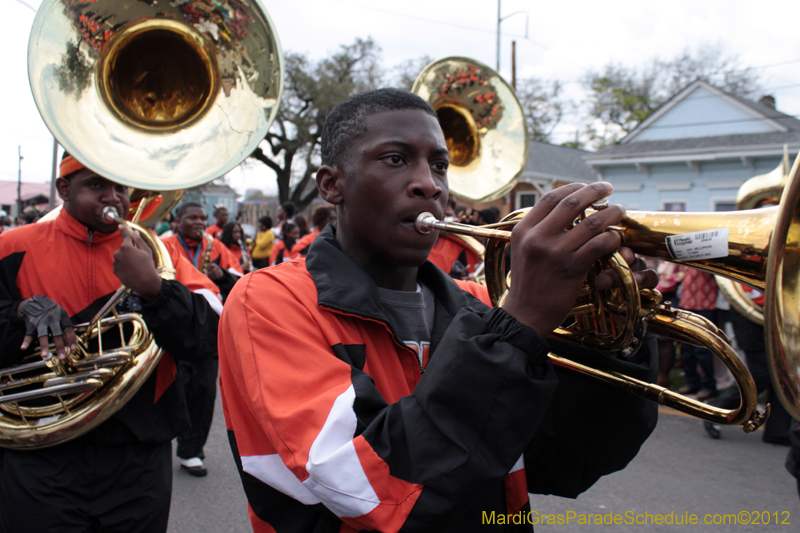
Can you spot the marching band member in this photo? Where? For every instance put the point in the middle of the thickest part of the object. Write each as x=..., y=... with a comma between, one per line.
x=371, y=391
x=211, y=257
x=221, y=215
x=191, y=242
x=320, y=216
x=232, y=237
x=283, y=249
x=117, y=477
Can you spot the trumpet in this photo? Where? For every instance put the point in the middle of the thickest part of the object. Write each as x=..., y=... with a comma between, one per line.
x=617, y=319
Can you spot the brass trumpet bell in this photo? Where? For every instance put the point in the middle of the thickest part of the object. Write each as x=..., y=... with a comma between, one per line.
x=483, y=124
x=156, y=95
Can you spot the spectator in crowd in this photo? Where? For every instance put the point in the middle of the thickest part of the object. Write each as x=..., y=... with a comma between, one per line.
x=262, y=247
x=670, y=276
x=750, y=339
x=698, y=294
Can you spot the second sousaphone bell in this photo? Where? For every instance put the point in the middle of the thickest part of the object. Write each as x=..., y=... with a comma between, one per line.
x=483, y=124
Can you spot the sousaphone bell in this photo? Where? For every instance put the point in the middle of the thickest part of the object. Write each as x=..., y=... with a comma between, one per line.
x=483, y=125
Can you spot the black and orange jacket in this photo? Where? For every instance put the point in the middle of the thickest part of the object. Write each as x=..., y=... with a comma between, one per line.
x=214, y=230
x=280, y=253
x=303, y=244
x=220, y=255
x=73, y=266
x=336, y=427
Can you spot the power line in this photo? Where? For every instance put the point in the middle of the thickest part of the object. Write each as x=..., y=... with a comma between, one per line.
x=27, y=5
x=437, y=21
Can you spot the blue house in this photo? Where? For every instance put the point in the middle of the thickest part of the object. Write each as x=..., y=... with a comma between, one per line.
x=696, y=150
x=210, y=195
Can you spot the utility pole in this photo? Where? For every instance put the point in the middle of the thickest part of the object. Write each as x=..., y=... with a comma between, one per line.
x=53, y=175
x=514, y=65
x=19, y=181
x=499, y=20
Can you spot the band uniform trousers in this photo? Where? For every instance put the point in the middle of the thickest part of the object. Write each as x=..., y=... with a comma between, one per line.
x=199, y=382
x=87, y=488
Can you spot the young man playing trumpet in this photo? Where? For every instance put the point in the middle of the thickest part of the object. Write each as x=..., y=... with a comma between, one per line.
x=118, y=476
x=365, y=389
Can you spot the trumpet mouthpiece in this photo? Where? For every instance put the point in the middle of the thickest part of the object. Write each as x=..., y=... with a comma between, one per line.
x=110, y=214
x=425, y=223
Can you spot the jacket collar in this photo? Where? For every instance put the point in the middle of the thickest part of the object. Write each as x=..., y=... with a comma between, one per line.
x=70, y=227
x=342, y=285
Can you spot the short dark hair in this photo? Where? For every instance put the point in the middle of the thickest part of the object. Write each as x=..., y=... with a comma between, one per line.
x=288, y=208
x=187, y=205
x=266, y=220
x=347, y=121
x=490, y=215
x=320, y=216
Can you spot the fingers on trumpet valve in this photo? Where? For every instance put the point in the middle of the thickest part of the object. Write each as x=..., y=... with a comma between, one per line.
x=554, y=216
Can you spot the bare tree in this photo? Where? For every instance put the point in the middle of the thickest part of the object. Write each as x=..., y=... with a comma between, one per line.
x=621, y=97
x=311, y=92
x=404, y=74
x=541, y=106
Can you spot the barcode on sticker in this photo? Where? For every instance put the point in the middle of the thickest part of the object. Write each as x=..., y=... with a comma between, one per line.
x=708, y=235
x=708, y=244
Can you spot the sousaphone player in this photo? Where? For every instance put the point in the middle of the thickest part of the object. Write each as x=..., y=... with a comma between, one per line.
x=150, y=81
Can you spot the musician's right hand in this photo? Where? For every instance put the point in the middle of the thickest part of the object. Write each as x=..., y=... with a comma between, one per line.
x=42, y=316
x=214, y=272
x=549, y=261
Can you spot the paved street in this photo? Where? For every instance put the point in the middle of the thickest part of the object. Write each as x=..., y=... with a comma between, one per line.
x=679, y=470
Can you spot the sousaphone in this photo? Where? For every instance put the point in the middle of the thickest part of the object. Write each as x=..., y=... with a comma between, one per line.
x=755, y=193
x=483, y=124
x=158, y=96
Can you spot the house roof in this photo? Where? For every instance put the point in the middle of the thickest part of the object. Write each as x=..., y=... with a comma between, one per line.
x=721, y=143
x=8, y=191
x=215, y=188
x=557, y=163
x=785, y=131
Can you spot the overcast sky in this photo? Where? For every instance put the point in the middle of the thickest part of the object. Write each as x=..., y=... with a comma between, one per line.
x=565, y=40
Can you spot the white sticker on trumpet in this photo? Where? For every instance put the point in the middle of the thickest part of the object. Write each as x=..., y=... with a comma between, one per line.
x=707, y=244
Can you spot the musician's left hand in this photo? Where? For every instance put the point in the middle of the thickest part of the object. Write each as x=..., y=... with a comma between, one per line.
x=133, y=265
x=646, y=278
